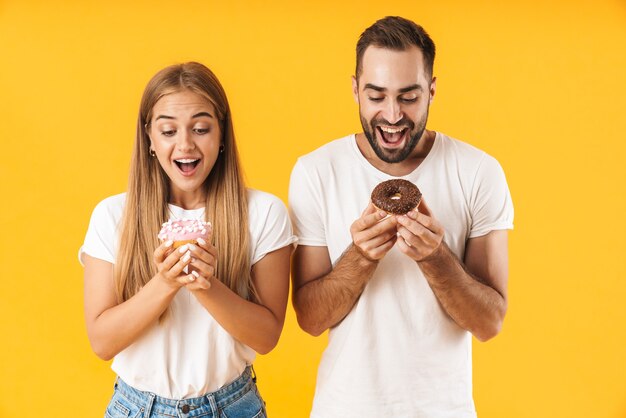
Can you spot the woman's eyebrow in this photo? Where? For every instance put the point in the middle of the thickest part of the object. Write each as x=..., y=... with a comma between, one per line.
x=197, y=115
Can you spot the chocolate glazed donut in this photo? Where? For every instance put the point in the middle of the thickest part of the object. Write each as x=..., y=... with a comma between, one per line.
x=396, y=196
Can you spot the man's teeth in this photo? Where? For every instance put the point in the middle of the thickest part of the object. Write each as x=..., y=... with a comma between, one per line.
x=391, y=130
x=186, y=161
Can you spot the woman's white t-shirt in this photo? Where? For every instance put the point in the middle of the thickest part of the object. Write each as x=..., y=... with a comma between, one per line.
x=189, y=354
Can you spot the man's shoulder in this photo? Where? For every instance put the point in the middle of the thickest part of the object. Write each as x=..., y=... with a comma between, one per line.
x=472, y=165
x=460, y=148
x=466, y=157
x=336, y=149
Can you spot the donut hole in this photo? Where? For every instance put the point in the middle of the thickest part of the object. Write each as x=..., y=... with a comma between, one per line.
x=396, y=196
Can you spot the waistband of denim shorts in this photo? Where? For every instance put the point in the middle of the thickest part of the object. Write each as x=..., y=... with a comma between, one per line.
x=221, y=397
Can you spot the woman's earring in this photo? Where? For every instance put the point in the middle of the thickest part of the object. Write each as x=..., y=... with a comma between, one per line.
x=152, y=153
x=221, y=148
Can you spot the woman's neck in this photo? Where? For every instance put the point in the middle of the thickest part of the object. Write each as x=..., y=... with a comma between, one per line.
x=188, y=200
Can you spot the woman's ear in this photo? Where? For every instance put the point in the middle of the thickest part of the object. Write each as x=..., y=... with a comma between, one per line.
x=146, y=129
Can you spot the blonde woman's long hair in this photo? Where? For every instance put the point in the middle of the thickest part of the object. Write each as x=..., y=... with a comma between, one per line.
x=148, y=192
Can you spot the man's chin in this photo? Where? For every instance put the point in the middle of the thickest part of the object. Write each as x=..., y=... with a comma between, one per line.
x=390, y=155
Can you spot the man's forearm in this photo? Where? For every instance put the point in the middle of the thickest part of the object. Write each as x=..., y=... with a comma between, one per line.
x=472, y=304
x=322, y=303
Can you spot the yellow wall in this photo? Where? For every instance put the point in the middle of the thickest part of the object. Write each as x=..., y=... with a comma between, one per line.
x=542, y=88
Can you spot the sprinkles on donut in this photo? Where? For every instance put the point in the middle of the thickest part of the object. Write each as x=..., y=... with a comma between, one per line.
x=396, y=196
x=184, y=231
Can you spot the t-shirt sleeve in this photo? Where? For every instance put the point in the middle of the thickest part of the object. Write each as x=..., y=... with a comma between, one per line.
x=491, y=204
x=270, y=226
x=305, y=207
x=101, y=233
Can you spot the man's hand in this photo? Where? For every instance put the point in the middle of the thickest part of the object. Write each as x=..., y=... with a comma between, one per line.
x=420, y=234
x=374, y=235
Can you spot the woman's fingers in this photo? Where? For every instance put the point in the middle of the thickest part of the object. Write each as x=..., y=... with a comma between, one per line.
x=162, y=251
x=175, y=263
x=190, y=265
x=195, y=281
x=205, y=269
x=204, y=258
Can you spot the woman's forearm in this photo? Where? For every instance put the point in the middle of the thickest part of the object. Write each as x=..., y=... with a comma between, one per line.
x=119, y=326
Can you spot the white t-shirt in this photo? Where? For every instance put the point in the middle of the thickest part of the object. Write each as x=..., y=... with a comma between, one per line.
x=397, y=353
x=189, y=354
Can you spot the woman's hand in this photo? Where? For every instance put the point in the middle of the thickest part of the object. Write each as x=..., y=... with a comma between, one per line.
x=171, y=264
x=203, y=265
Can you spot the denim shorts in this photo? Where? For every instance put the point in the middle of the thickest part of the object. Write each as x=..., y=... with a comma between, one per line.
x=239, y=399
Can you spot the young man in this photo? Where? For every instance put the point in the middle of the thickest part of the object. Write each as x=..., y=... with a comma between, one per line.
x=401, y=294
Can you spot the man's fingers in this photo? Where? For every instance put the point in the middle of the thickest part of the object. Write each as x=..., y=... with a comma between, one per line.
x=369, y=210
x=374, y=233
x=379, y=228
x=422, y=207
x=423, y=219
x=406, y=247
x=367, y=243
x=380, y=251
x=424, y=237
x=369, y=220
x=376, y=252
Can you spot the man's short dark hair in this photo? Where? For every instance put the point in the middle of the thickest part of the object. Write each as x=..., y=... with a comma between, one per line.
x=398, y=34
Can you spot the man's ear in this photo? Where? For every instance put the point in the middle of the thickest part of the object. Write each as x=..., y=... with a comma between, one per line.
x=355, y=89
x=433, y=88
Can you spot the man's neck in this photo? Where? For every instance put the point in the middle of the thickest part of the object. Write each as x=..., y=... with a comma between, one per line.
x=402, y=168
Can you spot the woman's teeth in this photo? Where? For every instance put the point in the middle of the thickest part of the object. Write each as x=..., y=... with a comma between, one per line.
x=187, y=164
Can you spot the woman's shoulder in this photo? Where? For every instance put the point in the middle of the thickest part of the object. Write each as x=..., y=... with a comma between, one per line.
x=110, y=207
x=261, y=203
x=270, y=226
x=260, y=199
x=100, y=240
x=116, y=200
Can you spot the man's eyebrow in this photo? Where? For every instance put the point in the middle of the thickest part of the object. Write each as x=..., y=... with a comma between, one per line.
x=411, y=88
x=402, y=90
x=197, y=115
x=374, y=87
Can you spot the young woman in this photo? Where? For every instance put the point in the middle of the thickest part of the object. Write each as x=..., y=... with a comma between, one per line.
x=183, y=326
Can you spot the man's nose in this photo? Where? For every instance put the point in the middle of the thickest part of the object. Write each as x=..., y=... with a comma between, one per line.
x=392, y=112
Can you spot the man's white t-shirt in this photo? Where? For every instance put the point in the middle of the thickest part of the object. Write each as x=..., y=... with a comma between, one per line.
x=397, y=353
x=189, y=354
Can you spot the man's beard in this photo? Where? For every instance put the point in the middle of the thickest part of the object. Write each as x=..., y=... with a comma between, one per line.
x=394, y=155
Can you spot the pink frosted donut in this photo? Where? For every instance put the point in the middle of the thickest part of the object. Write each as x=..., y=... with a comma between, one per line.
x=184, y=231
